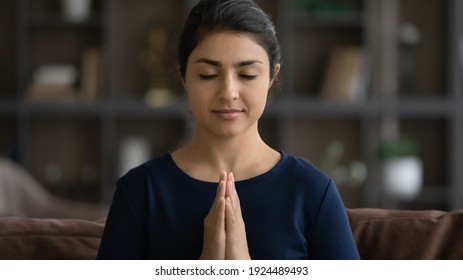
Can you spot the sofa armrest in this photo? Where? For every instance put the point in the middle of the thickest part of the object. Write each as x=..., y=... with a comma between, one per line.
x=50, y=239
x=400, y=234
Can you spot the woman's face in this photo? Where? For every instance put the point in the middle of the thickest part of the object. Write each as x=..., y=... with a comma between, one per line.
x=227, y=82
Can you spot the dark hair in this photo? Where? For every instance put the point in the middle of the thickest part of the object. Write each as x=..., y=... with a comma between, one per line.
x=228, y=15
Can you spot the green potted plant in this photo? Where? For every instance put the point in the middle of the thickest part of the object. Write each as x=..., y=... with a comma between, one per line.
x=402, y=168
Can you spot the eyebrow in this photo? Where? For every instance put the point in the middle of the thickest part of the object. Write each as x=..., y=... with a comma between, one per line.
x=218, y=63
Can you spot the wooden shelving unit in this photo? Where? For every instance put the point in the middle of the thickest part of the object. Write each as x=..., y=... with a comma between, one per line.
x=81, y=139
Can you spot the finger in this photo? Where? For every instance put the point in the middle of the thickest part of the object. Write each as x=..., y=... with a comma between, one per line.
x=216, y=215
x=235, y=201
x=220, y=214
x=223, y=176
x=214, y=238
x=230, y=217
x=219, y=201
x=221, y=198
x=226, y=178
x=232, y=185
x=221, y=189
x=236, y=244
x=214, y=225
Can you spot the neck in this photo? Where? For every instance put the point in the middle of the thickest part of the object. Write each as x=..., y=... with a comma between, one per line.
x=204, y=156
x=227, y=153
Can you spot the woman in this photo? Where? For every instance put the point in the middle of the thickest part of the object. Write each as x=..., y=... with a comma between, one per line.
x=266, y=204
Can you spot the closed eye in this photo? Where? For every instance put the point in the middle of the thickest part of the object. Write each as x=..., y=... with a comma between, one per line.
x=207, y=77
x=248, y=77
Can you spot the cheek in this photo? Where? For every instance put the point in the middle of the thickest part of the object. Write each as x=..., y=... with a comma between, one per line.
x=260, y=92
x=198, y=97
x=196, y=91
x=256, y=100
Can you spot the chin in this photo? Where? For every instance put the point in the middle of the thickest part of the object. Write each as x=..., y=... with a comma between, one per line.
x=228, y=133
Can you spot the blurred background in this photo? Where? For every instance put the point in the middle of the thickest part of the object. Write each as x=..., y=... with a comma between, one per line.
x=371, y=94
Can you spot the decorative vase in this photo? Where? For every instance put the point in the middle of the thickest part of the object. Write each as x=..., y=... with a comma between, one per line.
x=76, y=10
x=403, y=177
x=133, y=151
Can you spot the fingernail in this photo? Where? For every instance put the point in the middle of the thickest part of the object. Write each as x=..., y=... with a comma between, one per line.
x=232, y=177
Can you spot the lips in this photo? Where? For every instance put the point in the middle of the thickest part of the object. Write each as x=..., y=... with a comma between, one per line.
x=228, y=114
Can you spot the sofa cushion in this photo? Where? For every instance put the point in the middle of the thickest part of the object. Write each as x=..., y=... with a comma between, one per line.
x=50, y=239
x=400, y=234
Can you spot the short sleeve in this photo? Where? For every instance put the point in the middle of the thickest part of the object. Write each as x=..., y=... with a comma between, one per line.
x=124, y=236
x=332, y=237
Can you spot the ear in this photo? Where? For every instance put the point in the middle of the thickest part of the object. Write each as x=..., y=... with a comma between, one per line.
x=276, y=70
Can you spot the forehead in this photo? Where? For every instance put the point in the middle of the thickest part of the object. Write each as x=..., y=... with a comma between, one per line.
x=229, y=46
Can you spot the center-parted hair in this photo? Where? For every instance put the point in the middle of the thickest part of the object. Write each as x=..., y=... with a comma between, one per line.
x=242, y=16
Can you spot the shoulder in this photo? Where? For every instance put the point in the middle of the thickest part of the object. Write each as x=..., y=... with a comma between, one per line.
x=303, y=171
x=157, y=164
x=145, y=174
x=303, y=180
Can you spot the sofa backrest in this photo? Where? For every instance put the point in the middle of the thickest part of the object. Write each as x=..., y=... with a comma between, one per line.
x=379, y=233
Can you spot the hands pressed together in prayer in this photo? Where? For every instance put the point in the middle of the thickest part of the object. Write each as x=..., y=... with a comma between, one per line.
x=224, y=230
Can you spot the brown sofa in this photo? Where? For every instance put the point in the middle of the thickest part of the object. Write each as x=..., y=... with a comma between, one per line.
x=380, y=234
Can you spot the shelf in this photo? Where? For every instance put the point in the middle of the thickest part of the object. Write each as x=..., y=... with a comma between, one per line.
x=63, y=109
x=337, y=20
x=417, y=107
x=424, y=108
x=403, y=108
x=140, y=109
x=305, y=107
x=119, y=109
x=59, y=23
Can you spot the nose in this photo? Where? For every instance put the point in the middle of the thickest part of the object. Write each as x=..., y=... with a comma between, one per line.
x=229, y=89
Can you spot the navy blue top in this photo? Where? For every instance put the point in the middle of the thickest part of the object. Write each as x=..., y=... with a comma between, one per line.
x=292, y=211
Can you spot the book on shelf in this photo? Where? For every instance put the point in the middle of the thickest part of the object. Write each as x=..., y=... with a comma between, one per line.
x=90, y=81
x=52, y=83
x=344, y=79
x=50, y=93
